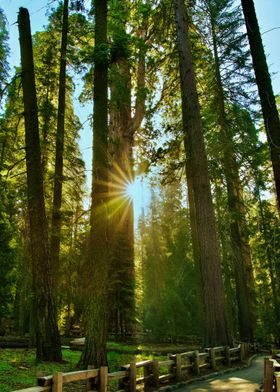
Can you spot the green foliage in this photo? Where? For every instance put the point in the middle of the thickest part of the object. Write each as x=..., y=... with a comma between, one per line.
x=14, y=222
x=168, y=290
x=265, y=240
x=8, y=262
x=170, y=305
x=4, y=53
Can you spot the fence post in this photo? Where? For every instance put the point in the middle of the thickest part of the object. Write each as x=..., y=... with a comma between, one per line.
x=277, y=383
x=57, y=382
x=242, y=352
x=132, y=377
x=155, y=368
x=178, y=364
x=196, y=363
x=246, y=349
x=268, y=375
x=212, y=358
x=227, y=355
x=147, y=372
x=103, y=379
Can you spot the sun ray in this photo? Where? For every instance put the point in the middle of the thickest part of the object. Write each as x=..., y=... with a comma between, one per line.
x=120, y=194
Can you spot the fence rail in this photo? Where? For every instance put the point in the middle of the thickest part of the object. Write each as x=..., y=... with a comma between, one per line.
x=150, y=373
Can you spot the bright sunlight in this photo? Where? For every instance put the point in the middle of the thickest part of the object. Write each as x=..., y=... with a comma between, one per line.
x=124, y=190
x=139, y=193
x=132, y=190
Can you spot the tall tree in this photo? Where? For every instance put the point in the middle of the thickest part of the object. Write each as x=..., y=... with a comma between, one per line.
x=122, y=128
x=58, y=174
x=98, y=256
x=268, y=103
x=205, y=242
x=47, y=336
x=224, y=22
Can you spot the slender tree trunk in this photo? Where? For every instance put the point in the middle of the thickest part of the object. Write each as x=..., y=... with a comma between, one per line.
x=58, y=174
x=268, y=103
x=98, y=257
x=216, y=328
x=47, y=337
x=241, y=253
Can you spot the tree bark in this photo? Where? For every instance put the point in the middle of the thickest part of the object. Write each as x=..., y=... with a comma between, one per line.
x=268, y=103
x=58, y=174
x=98, y=255
x=241, y=253
x=47, y=336
x=121, y=174
x=206, y=249
x=122, y=129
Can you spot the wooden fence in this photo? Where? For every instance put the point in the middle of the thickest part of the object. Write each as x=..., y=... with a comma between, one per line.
x=271, y=375
x=150, y=374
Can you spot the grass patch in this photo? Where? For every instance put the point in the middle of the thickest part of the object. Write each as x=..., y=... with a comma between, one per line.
x=19, y=368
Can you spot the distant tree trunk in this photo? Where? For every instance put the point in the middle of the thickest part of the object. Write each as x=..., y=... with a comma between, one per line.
x=58, y=174
x=268, y=103
x=216, y=328
x=225, y=255
x=47, y=336
x=241, y=253
x=98, y=258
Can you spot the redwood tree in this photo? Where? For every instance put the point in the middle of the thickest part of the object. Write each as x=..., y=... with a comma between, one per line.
x=122, y=129
x=58, y=174
x=205, y=241
x=241, y=254
x=268, y=103
x=47, y=336
x=98, y=261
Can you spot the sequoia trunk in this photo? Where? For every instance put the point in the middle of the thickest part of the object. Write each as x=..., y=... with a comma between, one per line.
x=241, y=253
x=98, y=261
x=268, y=103
x=206, y=247
x=47, y=337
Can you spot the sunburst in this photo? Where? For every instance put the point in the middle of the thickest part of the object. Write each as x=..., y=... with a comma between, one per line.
x=121, y=194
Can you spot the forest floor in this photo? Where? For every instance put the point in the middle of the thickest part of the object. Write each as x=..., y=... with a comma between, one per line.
x=19, y=369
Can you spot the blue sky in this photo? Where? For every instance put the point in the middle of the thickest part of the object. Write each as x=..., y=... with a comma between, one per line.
x=268, y=12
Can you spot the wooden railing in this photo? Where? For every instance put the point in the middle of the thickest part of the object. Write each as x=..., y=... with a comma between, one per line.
x=150, y=373
x=271, y=375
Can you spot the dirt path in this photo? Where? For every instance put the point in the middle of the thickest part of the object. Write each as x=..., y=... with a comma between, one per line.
x=246, y=380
